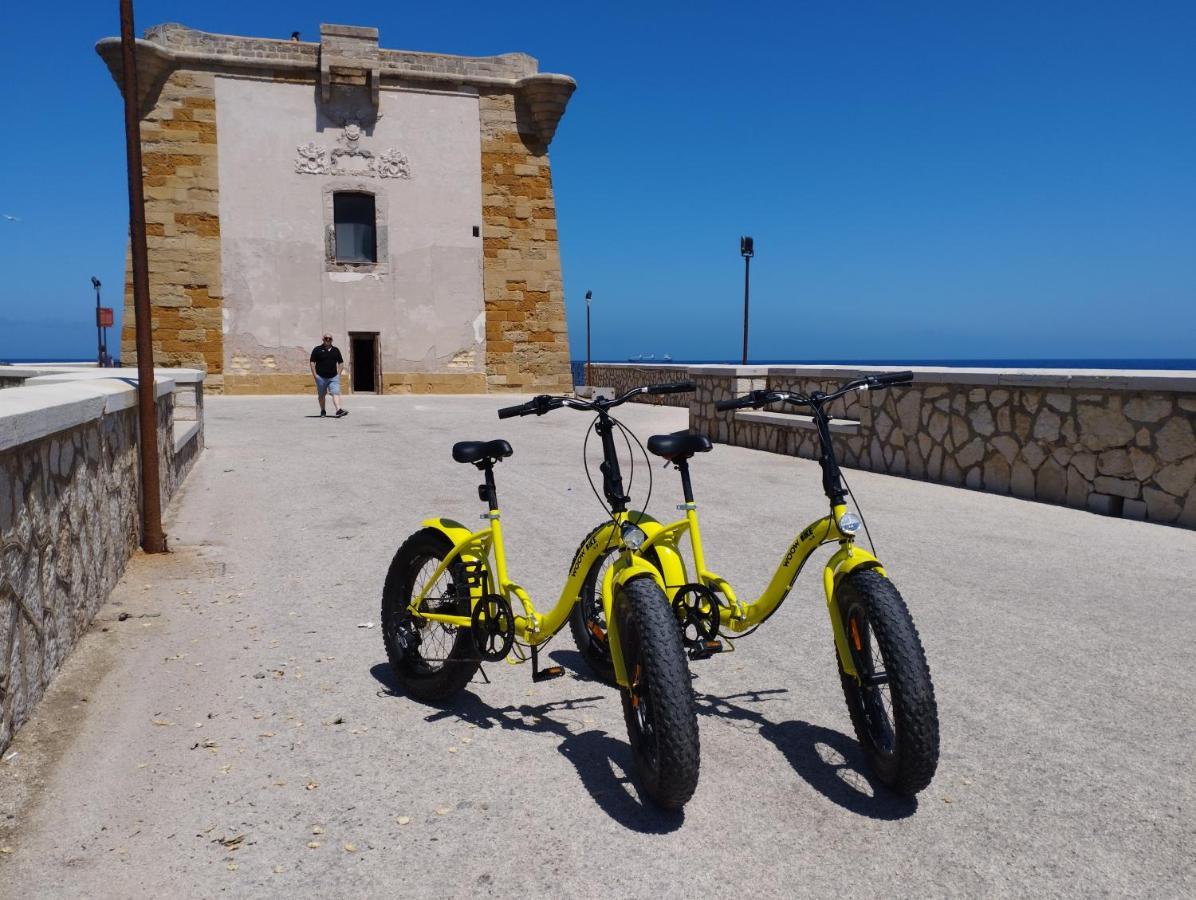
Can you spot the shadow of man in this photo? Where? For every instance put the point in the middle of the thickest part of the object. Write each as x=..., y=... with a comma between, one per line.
x=601, y=761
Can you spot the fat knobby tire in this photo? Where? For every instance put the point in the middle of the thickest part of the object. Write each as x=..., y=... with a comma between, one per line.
x=422, y=680
x=911, y=764
x=668, y=771
x=594, y=651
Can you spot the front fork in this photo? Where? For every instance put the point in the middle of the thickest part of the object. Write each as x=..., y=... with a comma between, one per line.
x=847, y=559
x=626, y=567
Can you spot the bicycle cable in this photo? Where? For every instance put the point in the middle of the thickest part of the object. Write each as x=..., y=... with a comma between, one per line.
x=625, y=431
x=585, y=465
x=860, y=510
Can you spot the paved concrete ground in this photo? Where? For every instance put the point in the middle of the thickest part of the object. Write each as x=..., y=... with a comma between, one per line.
x=238, y=733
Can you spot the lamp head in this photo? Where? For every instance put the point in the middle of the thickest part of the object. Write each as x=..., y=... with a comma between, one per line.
x=746, y=247
x=589, y=294
x=95, y=282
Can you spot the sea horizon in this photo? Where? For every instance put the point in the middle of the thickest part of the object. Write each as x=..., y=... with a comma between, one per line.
x=1160, y=363
x=1167, y=363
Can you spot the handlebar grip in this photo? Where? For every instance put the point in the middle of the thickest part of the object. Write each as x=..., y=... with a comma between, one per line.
x=734, y=403
x=676, y=387
x=509, y=412
x=894, y=378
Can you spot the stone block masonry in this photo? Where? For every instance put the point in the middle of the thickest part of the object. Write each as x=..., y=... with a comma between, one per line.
x=69, y=516
x=182, y=229
x=1115, y=443
x=527, y=345
x=624, y=378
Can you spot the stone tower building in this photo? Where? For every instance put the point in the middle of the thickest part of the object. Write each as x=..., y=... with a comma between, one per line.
x=401, y=201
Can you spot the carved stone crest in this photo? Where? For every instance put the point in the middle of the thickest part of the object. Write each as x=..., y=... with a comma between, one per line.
x=350, y=158
x=393, y=164
x=311, y=159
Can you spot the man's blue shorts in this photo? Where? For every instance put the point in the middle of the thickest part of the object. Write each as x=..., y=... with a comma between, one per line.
x=328, y=385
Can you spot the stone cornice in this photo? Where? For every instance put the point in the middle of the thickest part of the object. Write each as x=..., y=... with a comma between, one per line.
x=170, y=47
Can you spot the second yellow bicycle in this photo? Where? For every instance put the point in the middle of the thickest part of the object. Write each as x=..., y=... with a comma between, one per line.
x=881, y=662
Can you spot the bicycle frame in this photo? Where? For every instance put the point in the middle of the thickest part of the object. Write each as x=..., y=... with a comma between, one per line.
x=475, y=549
x=738, y=616
x=479, y=547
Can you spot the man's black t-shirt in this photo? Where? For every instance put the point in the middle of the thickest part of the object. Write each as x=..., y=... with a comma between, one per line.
x=326, y=359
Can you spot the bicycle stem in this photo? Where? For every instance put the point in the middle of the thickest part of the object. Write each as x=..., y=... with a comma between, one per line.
x=612, y=476
x=832, y=479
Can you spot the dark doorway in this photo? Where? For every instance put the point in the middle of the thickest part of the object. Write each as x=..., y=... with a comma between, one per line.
x=363, y=358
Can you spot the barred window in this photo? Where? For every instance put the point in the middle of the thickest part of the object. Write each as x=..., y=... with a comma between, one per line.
x=356, y=228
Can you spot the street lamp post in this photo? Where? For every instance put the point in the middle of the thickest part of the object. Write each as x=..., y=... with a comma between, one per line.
x=95, y=283
x=747, y=251
x=589, y=296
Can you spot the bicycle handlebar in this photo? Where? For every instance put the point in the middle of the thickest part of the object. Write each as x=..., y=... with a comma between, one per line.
x=891, y=378
x=676, y=387
x=543, y=403
x=538, y=405
x=755, y=398
x=758, y=398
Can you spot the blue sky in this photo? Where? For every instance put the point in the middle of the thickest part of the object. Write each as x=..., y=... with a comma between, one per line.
x=923, y=180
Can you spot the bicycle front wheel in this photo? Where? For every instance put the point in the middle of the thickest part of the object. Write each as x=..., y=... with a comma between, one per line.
x=892, y=705
x=658, y=705
x=587, y=619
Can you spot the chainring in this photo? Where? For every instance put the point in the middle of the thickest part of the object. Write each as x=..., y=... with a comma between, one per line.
x=696, y=609
x=492, y=626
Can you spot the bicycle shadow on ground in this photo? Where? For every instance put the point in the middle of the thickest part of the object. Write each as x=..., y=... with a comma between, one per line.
x=603, y=763
x=832, y=763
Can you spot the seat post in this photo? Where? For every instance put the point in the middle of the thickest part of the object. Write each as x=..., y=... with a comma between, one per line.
x=488, y=492
x=686, y=488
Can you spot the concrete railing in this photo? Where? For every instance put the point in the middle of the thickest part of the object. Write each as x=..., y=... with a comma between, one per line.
x=70, y=508
x=1121, y=443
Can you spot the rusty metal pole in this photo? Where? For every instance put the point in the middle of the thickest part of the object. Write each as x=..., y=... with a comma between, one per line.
x=153, y=540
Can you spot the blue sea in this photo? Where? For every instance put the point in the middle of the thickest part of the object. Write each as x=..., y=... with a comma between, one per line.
x=1170, y=364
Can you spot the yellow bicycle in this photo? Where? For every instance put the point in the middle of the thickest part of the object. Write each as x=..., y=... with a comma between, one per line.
x=449, y=604
x=882, y=665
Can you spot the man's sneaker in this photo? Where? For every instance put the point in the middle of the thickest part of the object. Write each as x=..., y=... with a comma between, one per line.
x=341, y=413
x=323, y=414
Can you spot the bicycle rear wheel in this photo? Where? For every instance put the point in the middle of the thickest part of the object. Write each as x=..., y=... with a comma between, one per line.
x=587, y=619
x=892, y=705
x=431, y=660
x=658, y=706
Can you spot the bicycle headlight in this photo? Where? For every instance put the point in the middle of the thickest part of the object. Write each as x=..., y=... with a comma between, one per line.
x=849, y=523
x=633, y=537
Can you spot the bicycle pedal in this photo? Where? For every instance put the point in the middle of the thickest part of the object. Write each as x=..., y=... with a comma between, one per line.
x=705, y=649
x=549, y=673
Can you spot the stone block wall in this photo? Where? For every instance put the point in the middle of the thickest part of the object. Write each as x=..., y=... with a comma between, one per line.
x=527, y=346
x=1116, y=443
x=624, y=378
x=69, y=520
x=182, y=217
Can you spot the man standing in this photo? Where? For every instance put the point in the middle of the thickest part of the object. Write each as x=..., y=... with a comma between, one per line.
x=326, y=366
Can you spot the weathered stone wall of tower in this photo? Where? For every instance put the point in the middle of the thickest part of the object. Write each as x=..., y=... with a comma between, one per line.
x=178, y=155
x=527, y=346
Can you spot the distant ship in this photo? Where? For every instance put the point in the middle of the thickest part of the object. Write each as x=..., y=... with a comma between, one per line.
x=651, y=357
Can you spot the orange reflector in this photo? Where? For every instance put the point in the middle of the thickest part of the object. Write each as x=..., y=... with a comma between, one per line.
x=855, y=635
